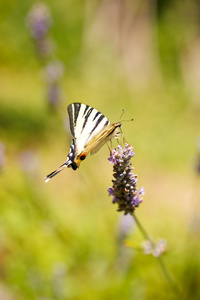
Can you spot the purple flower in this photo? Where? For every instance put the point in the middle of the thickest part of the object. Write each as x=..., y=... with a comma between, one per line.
x=53, y=71
x=29, y=162
x=124, y=190
x=126, y=224
x=111, y=193
x=39, y=22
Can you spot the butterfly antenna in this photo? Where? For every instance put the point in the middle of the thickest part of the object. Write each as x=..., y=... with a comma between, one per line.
x=127, y=120
x=123, y=111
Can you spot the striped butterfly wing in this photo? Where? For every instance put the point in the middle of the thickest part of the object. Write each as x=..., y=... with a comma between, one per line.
x=86, y=123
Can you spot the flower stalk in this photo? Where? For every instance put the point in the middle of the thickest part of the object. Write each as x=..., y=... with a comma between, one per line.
x=165, y=271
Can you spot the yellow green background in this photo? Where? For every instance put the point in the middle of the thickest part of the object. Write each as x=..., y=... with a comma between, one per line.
x=60, y=240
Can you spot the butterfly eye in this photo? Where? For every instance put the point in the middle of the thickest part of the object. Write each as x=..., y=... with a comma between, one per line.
x=82, y=157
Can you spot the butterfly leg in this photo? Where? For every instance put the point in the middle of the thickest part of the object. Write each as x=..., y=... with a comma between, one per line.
x=120, y=137
x=109, y=148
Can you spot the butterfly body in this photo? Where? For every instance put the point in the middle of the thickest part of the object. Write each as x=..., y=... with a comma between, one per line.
x=90, y=130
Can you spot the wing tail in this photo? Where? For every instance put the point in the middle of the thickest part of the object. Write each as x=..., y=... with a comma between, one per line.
x=54, y=173
x=67, y=163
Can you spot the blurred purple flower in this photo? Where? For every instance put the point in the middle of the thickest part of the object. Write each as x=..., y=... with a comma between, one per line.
x=29, y=162
x=39, y=22
x=53, y=71
x=52, y=74
x=126, y=224
x=124, y=190
x=53, y=95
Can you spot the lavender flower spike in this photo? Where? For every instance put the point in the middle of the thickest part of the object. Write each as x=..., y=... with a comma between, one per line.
x=124, y=189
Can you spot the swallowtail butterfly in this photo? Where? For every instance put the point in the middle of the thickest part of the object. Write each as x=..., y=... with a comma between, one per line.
x=90, y=130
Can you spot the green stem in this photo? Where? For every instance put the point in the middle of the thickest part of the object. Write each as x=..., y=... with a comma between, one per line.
x=168, y=276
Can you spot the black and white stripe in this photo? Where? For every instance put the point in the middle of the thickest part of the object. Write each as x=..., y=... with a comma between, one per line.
x=85, y=121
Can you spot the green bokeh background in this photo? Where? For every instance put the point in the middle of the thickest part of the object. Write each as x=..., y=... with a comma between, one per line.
x=61, y=240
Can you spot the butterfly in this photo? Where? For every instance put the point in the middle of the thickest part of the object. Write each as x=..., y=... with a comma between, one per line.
x=90, y=130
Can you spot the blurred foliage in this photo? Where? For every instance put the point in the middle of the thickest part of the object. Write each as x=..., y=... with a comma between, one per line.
x=61, y=240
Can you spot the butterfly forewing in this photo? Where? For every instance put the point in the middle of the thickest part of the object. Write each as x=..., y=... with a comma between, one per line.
x=85, y=120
